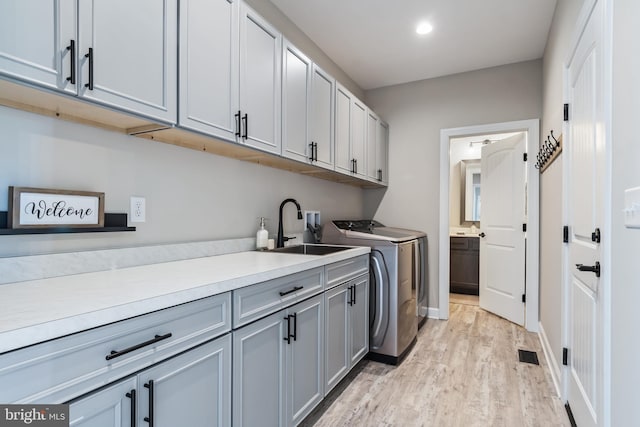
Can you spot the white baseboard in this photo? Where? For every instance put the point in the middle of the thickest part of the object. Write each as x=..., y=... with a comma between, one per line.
x=551, y=359
x=434, y=313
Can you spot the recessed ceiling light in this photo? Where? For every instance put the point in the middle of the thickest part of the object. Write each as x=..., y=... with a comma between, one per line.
x=424, y=28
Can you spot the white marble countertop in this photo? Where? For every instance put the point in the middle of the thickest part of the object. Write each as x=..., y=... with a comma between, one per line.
x=40, y=310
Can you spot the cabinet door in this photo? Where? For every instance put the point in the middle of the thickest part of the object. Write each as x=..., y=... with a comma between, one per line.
x=343, y=130
x=305, y=359
x=109, y=407
x=193, y=389
x=359, y=136
x=258, y=373
x=209, y=89
x=134, y=55
x=260, y=81
x=382, y=152
x=337, y=336
x=321, y=116
x=34, y=36
x=359, y=320
x=372, y=145
x=296, y=81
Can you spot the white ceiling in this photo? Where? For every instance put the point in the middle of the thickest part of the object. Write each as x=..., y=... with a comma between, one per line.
x=374, y=41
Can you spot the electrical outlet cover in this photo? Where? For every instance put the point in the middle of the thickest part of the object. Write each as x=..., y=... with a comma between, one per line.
x=138, y=211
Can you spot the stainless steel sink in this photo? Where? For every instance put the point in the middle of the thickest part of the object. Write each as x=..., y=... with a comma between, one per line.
x=307, y=249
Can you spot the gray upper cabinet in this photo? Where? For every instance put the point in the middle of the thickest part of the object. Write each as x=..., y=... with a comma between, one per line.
x=372, y=136
x=126, y=61
x=307, y=110
x=209, y=61
x=33, y=48
x=296, y=92
x=260, y=81
x=377, y=149
x=230, y=73
x=99, y=50
x=382, y=153
x=351, y=131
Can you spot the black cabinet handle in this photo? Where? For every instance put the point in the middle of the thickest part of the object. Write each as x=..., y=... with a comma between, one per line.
x=355, y=161
x=287, y=336
x=154, y=340
x=132, y=395
x=591, y=268
x=315, y=151
x=353, y=165
x=290, y=291
x=354, y=294
x=237, y=116
x=295, y=326
x=72, y=57
x=311, y=156
x=245, y=119
x=90, y=56
x=350, y=301
x=149, y=419
x=379, y=174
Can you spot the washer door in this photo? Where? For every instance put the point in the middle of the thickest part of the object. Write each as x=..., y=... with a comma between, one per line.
x=378, y=300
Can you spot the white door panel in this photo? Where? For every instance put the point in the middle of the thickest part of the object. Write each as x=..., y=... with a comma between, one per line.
x=584, y=186
x=502, y=249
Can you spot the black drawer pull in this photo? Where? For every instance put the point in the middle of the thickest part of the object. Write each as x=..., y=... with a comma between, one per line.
x=290, y=291
x=157, y=338
x=132, y=395
x=149, y=419
x=72, y=57
x=287, y=337
x=90, y=56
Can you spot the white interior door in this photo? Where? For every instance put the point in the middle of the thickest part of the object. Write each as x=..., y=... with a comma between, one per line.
x=502, y=242
x=584, y=190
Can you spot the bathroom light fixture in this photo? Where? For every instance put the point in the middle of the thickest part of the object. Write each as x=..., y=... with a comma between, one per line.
x=424, y=28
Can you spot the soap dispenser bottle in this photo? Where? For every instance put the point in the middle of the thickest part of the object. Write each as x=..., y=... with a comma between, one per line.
x=262, y=236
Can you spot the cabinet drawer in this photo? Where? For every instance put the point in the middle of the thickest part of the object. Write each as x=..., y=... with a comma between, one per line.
x=459, y=243
x=257, y=301
x=340, y=272
x=59, y=370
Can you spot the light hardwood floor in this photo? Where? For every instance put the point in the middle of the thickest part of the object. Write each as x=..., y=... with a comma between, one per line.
x=464, y=299
x=462, y=372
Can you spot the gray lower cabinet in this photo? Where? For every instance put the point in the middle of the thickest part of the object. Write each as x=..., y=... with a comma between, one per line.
x=464, y=265
x=347, y=328
x=277, y=366
x=192, y=389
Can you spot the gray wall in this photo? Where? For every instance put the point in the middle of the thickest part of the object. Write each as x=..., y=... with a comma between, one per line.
x=416, y=112
x=190, y=195
x=625, y=285
x=555, y=55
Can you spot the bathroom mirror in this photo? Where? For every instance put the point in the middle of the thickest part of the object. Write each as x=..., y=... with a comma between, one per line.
x=470, y=182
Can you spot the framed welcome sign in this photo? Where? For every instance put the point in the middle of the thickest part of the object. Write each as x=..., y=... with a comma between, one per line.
x=47, y=208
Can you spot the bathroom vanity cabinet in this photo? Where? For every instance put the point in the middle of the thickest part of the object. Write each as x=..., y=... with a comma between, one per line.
x=464, y=265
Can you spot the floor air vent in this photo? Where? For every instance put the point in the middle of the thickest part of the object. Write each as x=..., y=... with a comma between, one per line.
x=527, y=356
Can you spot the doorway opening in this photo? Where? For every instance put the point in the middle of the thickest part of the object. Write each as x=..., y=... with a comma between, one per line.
x=460, y=147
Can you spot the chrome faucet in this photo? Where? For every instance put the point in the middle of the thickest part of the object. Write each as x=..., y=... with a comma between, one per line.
x=281, y=237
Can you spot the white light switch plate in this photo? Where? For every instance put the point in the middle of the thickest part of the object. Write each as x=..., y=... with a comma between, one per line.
x=632, y=207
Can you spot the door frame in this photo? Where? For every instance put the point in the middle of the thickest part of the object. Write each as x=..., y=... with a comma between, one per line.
x=532, y=129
